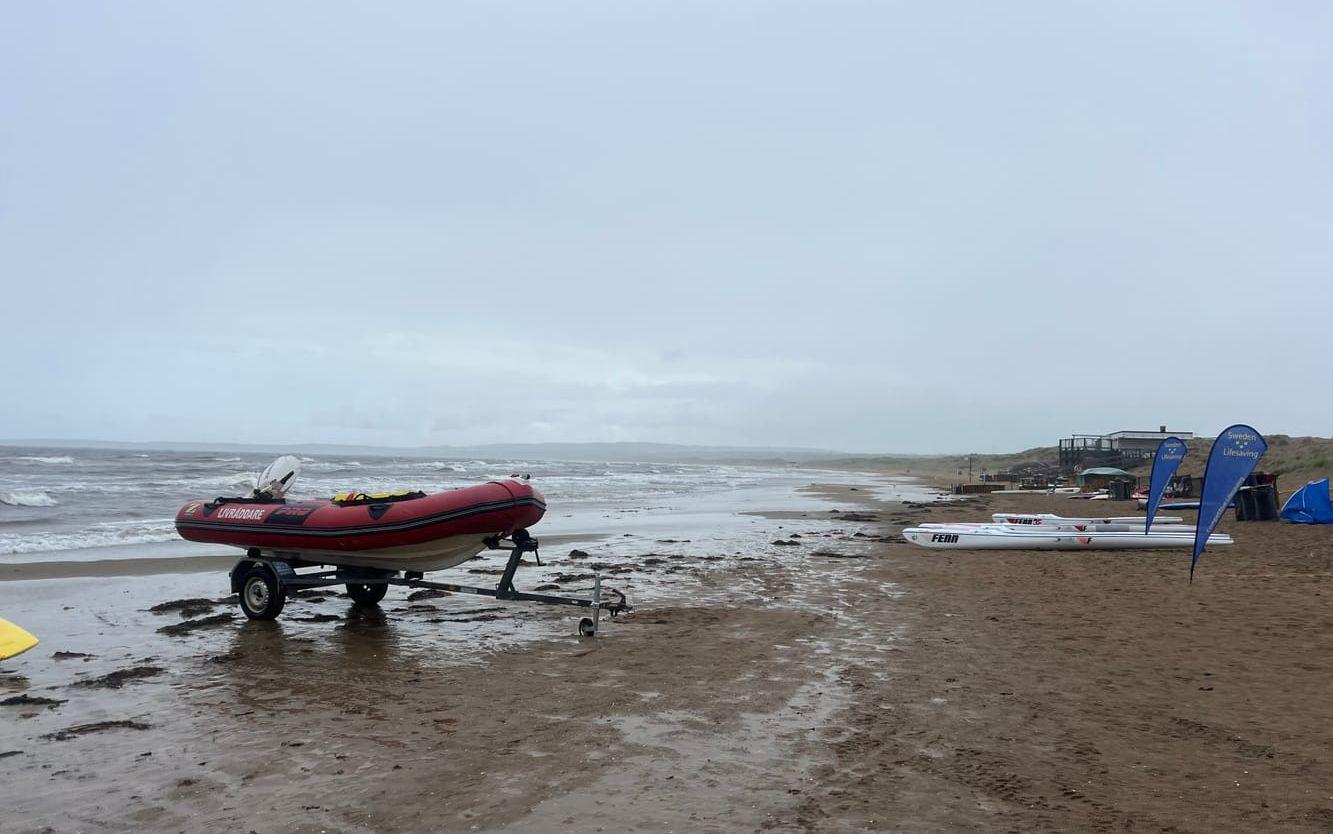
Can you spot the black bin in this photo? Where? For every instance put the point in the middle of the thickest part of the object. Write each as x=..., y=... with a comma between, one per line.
x=1120, y=490
x=1257, y=503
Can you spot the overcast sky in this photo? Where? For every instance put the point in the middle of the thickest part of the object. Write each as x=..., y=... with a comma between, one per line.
x=866, y=226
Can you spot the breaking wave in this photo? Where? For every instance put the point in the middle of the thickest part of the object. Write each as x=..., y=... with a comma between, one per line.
x=27, y=499
x=101, y=535
x=41, y=459
x=438, y=466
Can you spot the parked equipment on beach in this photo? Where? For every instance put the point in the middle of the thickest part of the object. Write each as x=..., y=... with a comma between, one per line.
x=14, y=640
x=372, y=541
x=1098, y=495
x=1065, y=526
x=1005, y=537
x=1185, y=505
x=1048, y=519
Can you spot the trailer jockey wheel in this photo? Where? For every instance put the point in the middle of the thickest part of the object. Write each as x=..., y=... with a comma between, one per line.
x=587, y=628
x=262, y=596
x=366, y=594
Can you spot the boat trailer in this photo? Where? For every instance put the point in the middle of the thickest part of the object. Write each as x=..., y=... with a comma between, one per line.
x=262, y=582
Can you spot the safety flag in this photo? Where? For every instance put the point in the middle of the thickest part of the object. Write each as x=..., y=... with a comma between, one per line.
x=1164, y=464
x=1234, y=455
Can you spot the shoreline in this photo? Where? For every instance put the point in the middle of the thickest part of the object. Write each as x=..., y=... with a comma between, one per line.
x=164, y=565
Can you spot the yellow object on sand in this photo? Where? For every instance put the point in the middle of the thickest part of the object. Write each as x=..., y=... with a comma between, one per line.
x=14, y=640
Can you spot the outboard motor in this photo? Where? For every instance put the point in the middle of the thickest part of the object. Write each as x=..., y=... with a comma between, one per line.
x=274, y=481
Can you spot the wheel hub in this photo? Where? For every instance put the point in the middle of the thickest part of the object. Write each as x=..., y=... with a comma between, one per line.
x=256, y=595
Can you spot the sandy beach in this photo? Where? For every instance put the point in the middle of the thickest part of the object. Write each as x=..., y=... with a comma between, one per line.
x=843, y=682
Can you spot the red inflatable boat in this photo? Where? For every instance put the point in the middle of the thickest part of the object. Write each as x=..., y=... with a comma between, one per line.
x=405, y=531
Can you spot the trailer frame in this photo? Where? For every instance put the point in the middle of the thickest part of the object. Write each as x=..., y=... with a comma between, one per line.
x=262, y=581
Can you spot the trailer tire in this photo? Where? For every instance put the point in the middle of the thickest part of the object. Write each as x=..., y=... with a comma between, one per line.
x=261, y=594
x=587, y=628
x=366, y=594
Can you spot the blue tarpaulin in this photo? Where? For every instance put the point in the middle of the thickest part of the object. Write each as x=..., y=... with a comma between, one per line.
x=1309, y=504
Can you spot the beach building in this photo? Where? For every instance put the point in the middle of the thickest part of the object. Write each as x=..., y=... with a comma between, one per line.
x=1119, y=448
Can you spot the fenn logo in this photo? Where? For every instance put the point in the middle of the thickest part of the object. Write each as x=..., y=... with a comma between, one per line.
x=1014, y=520
x=945, y=538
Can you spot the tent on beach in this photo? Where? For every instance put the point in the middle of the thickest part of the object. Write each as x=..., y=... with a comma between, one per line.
x=1309, y=504
x=1101, y=477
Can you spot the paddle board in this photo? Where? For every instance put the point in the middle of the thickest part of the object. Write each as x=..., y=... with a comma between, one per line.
x=1135, y=526
x=1008, y=538
x=1043, y=519
x=14, y=640
x=1187, y=505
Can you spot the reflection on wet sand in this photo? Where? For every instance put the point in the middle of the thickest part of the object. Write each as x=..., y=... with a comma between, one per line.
x=269, y=661
x=13, y=682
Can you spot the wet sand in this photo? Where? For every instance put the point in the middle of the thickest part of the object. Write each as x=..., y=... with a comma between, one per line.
x=842, y=683
x=114, y=567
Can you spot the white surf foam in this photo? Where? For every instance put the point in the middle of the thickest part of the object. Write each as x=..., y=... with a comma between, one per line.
x=27, y=499
x=59, y=459
x=100, y=535
x=438, y=466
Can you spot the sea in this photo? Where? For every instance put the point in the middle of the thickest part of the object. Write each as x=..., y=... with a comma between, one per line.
x=67, y=503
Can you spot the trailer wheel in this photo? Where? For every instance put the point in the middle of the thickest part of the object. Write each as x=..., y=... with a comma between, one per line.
x=366, y=594
x=261, y=595
x=587, y=628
